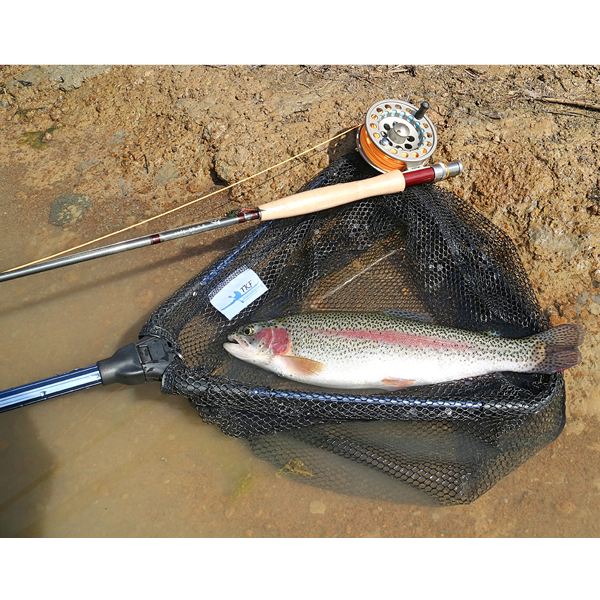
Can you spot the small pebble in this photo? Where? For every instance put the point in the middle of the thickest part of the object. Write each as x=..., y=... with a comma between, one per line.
x=582, y=298
x=565, y=507
x=317, y=507
x=87, y=164
x=69, y=208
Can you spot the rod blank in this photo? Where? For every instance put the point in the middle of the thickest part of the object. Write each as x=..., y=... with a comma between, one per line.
x=149, y=240
x=298, y=204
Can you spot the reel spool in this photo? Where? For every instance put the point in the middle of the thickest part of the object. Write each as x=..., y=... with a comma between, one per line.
x=396, y=135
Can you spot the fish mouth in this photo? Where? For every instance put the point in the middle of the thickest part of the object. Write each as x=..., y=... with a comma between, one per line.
x=235, y=350
x=240, y=348
x=239, y=339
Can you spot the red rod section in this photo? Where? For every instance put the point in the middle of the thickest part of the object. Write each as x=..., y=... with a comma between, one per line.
x=419, y=176
x=248, y=214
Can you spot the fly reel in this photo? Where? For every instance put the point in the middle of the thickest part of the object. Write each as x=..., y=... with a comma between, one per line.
x=396, y=135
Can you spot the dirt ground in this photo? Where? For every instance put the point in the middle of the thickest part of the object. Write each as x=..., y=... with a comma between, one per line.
x=88, y=150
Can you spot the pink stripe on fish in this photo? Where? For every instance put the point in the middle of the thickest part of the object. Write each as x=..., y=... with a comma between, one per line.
x=399, y=338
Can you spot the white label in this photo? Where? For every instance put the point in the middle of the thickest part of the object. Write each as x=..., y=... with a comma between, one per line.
x=239, y=293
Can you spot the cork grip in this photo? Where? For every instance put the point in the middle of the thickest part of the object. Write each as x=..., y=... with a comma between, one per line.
x=335, y=195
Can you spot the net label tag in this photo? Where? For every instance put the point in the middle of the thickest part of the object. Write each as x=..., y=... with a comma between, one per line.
x=239, y=293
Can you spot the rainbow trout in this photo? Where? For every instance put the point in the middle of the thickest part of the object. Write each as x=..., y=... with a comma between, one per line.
x=382, y=351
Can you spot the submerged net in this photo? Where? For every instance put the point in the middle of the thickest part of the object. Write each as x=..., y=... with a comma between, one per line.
x=422, y=250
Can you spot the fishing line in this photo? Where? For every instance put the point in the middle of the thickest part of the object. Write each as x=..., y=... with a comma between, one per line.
x=86, y=415
x=172, y=210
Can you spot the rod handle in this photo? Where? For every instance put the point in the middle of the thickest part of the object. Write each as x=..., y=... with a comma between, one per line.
x=335, y=195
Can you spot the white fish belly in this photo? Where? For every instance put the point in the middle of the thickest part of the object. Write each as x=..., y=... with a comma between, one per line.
x=389, y=373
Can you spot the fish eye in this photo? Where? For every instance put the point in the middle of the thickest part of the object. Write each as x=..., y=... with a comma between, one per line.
x=248, y=330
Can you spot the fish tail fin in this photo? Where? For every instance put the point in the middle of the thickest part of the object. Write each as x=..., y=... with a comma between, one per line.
x=561, y=348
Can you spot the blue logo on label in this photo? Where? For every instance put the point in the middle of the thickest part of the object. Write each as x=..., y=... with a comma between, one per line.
x=238, y=293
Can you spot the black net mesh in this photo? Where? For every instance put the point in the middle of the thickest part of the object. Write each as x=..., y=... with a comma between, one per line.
x=423, y=250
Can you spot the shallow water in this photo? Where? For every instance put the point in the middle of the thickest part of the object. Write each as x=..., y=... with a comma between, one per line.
x=106, y=461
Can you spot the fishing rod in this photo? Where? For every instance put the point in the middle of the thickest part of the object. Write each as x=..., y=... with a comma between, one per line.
x=291, y=206
x=396, y=139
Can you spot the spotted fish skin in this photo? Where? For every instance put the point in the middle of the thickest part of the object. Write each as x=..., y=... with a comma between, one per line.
x=383, y=351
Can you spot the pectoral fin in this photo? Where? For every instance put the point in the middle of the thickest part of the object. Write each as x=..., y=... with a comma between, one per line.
x=296, y=365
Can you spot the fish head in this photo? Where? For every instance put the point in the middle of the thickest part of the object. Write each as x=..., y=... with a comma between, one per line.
x=258, y=343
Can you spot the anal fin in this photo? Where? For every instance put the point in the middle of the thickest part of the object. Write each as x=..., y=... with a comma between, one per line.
x=397, y=384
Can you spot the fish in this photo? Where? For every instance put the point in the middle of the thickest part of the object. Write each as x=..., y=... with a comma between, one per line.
x=353, y=350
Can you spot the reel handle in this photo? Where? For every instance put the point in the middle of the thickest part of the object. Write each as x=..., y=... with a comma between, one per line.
x=335, y=195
